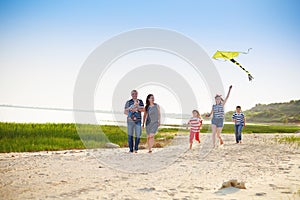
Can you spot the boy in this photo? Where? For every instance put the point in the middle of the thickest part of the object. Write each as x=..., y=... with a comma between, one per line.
x=239, y=121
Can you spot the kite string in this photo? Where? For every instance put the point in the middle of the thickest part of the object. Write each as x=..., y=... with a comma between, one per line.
x=243, y=52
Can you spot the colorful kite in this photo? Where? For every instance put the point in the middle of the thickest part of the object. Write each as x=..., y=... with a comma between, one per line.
x=230, y=55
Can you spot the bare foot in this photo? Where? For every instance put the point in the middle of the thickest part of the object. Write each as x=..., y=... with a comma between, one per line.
x=221, y=141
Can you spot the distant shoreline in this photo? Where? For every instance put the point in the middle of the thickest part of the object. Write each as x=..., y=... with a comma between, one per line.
x=273, y=113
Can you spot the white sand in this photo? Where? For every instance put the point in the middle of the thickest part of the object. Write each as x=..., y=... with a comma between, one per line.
x=270, y=171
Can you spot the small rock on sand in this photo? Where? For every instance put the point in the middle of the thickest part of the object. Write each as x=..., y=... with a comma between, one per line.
x=158, y=145
x=111, y=145
x=260, y=194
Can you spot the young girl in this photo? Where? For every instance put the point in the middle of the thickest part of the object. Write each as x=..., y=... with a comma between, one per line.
x=218, y=117
x=195, y=122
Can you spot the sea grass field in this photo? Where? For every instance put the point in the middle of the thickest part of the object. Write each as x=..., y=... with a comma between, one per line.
x=28, y=137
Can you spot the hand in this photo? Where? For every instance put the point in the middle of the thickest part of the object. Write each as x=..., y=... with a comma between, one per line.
x=143, y=126
x=230, y=87
x=244, y=125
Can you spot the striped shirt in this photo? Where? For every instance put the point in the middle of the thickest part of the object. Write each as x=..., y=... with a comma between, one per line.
x=195, y=124
x=218, y=110
x=239, y=117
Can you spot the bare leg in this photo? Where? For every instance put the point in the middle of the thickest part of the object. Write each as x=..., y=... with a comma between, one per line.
x=214, y=130
x=191, y=138
x=151, y=142
x=148, y=138
x=219, y=130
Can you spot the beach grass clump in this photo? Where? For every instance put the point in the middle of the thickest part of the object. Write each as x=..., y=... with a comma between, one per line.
x=261, y=128
x=250, y=128
x=290, y=140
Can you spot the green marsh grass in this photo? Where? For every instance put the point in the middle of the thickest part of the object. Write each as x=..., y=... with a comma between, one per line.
x=257, y=128
x=26, y=137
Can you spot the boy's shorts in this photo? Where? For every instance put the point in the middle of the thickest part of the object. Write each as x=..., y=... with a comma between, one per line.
x=218, y=122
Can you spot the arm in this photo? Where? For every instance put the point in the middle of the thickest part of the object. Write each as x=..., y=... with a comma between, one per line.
x=230, y=87
x=159, y=115
x=141, y=106
x=211, y=112
x=126, y=109
x=144, y=118
x=188, y=124
x=141, y=109
x=200, y=122
x=233, y=118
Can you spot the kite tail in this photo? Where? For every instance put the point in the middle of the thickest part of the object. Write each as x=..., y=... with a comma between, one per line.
x=250, y=77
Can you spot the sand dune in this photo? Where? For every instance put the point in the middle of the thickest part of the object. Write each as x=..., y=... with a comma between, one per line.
x=269, y=170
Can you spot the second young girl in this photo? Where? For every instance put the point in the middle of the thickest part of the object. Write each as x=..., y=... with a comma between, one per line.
x=195, y=122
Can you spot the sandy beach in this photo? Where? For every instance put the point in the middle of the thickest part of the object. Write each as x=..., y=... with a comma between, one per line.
x=269, y=170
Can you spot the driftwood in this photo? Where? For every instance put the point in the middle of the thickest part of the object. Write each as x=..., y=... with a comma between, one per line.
x=233, y=183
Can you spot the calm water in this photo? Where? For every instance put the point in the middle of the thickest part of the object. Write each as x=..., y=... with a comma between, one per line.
x=43, y=116
x=23, y=115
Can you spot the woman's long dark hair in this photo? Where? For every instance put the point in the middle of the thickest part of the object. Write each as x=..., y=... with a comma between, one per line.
x=148, y=102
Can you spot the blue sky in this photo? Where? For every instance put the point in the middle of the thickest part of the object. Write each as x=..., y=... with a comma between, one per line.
x=44, y=43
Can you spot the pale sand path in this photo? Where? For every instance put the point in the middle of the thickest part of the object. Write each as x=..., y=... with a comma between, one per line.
x=270, y=170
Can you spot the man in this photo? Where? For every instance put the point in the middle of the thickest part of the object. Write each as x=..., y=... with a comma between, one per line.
x=134, y=124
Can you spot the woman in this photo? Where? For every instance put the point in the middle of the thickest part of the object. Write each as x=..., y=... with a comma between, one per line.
x=218, y=116
x=152, y=118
